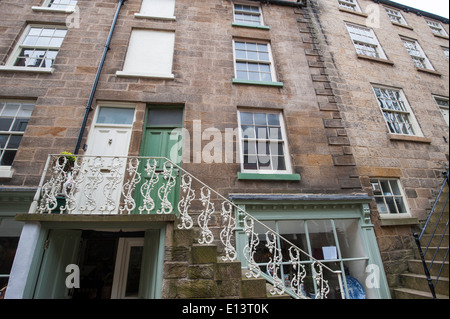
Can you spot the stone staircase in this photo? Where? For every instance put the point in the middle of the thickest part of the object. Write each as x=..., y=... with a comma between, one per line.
x=414, y=283
x=193, y=271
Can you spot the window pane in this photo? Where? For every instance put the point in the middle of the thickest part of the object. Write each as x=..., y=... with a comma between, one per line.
x=349, y=237
x=8, y=158
x=248, y=131
x=276, y=149
x=10, y=109
x=261, y=132
x=250, y=148
x=113, y=115
x=26, y=110
x=246, y=118
x=260, y=118
x=165, y=117
x=275, y=133
x=278, y=163
x=395, y=188
x=391, y=205
x=20, y=125
x=321, y=235
x=3, y=139
x=14, y=141
x=382, y=209
x=5, y=124
x=250, y=162
x=385, y=187
x=264, y=162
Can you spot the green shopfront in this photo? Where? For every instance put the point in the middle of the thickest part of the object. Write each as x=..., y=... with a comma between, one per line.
x=334, y=229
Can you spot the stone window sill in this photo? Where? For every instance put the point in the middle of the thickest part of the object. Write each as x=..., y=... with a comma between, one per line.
x=428, y=71
x=6, y=172
x=366, y=57
x=26, y=69
x=409, y=138
x=402, y=25
x=441, y=36
x=398, y=220
x=145, y=75
x=144, y=16
x=45, y=9
x=354, y=12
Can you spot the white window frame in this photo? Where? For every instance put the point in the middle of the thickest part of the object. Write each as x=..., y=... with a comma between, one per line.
x=141, y=49
x=417, y=54
x=351, y=5
x=152, y=9
x=250, y=4
x=402, y=110
x=5, y=170
x=242, y=139
x=120, y=278
x=47, y=6
x=376, y=187
x=369, y=40
x=436, y=28
x=270, y=62
x=443, y=108
x=395, y=16
x=15, y=54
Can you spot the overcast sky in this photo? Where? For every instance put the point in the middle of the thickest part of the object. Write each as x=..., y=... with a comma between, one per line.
x=439, y=7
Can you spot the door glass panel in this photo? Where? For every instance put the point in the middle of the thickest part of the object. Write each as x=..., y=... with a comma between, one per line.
x=114, y=115
x=165, y=117
x=134, y=272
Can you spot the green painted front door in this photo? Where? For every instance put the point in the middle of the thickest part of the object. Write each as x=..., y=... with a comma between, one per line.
x=162, y=143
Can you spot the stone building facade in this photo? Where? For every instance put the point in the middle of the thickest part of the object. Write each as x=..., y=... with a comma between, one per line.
x=210, y=70
x=415, y=159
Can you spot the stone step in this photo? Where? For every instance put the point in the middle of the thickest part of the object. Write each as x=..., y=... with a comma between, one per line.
x=407, y=293
x=203, y=254
x=415, y=266
x=438, y=253
x=436, y=240
x=253, y=288
x=440, y=229
x=419, y=282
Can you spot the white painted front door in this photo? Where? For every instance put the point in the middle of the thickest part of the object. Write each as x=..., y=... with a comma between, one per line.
x=105, y=161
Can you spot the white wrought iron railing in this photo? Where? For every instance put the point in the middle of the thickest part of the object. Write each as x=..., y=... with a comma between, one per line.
x=155, y=185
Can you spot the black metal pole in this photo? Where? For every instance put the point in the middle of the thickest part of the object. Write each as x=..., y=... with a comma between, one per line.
x=94, y=86
x=425, y=268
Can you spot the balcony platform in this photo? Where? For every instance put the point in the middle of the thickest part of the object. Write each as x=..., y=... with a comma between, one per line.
x=137, y=219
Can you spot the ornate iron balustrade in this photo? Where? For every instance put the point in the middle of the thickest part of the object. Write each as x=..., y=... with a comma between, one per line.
x=144, y=185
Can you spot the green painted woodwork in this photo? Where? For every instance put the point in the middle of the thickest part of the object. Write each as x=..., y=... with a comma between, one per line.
x=262, y=27
x=62, y=250
x=152, y=262
x=160, y=142
x=269, y=177
x=263, y=83
x=345, y=208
